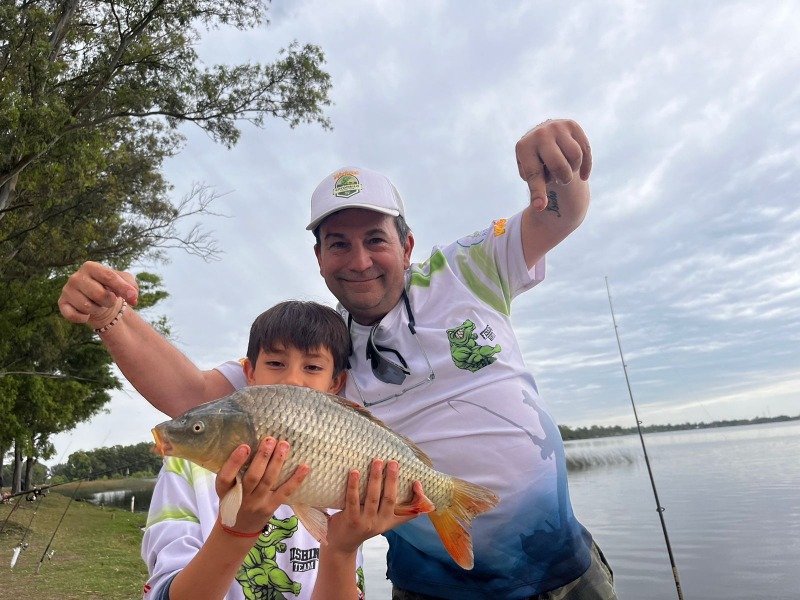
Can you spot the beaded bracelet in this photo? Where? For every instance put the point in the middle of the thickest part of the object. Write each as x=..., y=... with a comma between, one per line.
x=238, y=533
x=113, y=322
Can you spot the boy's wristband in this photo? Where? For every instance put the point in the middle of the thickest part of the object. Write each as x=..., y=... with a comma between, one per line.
x=238, y=533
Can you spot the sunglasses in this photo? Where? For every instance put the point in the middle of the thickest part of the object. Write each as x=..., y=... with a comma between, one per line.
x=385, y=368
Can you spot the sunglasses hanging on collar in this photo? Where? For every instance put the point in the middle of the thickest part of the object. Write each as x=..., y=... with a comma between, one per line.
x=383, y=367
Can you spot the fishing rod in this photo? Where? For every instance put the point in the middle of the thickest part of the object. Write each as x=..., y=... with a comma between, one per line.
x=44, y=488
x=52, y=537
x=11, y=512
x=660, y=509
x=66, y=508
x=36, y=491
x=22, y=545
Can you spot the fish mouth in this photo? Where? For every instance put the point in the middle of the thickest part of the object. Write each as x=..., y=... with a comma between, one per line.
x=163, y=447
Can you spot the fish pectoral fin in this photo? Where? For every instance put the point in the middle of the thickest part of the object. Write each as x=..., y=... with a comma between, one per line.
x=315, y=520
x=419, y=506
x=229, y=505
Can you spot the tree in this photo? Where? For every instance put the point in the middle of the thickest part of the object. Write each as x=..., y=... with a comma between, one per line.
x=110, y=462
x=70, y=66
x=101, y=197
x=92, y=94
x=53, y=374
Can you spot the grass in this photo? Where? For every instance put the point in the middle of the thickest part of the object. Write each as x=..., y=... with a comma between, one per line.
x=96, y=550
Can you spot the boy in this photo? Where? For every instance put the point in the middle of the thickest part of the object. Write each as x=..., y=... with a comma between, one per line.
x=189, y=554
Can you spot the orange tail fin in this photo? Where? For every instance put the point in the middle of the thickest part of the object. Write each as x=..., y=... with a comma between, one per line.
x=451, y=523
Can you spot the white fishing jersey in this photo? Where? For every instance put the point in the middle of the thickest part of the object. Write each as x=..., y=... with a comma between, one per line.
x=284, y=558
x=471, y=404
x=480, y=418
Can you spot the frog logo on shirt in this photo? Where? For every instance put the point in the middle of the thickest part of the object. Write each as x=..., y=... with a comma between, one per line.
x=466, y=352
x=260, y=576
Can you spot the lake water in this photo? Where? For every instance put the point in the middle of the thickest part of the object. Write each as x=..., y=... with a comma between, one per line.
x=136, y=493
x=732, y=500
x=732, y=509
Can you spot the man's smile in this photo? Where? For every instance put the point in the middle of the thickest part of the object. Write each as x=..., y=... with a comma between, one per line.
x=360, y=279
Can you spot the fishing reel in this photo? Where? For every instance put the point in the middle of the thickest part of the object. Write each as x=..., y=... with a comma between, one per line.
x=34, y=494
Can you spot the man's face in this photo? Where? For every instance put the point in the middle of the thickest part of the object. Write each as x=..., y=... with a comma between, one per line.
x=362, y=262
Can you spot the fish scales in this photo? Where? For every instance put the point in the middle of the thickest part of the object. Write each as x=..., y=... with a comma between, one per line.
x=315, y=429
x=333, y=437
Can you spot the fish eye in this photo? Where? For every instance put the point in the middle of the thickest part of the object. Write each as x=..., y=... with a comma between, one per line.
x=198, y=427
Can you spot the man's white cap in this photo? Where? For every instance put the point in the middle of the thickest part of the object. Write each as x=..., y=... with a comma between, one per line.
x=354, y=187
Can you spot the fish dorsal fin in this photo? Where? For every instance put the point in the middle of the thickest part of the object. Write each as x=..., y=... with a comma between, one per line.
x=368, y=415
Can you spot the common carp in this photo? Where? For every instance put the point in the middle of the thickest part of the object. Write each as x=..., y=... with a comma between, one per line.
x=332, y=436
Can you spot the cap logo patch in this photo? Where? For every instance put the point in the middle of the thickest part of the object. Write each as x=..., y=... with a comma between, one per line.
x=347, y=185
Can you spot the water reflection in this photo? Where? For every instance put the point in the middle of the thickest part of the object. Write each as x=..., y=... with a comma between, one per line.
x=602, y=452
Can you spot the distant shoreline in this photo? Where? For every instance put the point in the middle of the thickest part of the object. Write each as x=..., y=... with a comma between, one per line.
x=596, y=431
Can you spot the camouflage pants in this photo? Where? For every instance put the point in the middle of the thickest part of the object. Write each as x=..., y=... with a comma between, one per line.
x=596, y=584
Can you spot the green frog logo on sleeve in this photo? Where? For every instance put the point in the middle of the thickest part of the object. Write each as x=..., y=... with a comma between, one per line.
x=466, y=352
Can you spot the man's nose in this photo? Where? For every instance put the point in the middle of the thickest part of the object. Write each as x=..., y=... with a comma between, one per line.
x=360, y=259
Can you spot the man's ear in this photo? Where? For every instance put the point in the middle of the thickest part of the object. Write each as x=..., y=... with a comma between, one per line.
x=317, y=254
x=337, y=383
x=409, y=246
x=249, y=371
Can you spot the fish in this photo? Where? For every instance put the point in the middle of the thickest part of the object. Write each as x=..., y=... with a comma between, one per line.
x=332, y=436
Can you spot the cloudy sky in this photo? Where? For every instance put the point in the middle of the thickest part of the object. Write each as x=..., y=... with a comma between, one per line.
x=692, y=112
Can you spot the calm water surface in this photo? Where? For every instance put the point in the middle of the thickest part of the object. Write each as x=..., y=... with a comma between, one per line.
x=732, y=500
x=137, y=493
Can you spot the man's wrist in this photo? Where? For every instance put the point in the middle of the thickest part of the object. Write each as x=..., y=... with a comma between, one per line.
x=105, y=320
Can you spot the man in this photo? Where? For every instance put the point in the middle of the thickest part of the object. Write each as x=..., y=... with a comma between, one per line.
x=435, y=357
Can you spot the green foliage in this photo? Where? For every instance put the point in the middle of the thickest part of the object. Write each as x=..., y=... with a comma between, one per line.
x=100, y=197
x=53, y=374
x=150, y=291
x=39, y=475
x=93, y=93
x=67, y=67
x=112, y=462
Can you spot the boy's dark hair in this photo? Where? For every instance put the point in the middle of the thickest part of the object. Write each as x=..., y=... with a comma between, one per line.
x=303, y=325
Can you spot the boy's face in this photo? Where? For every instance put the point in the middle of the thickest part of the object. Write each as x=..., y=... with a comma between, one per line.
x=292, y=366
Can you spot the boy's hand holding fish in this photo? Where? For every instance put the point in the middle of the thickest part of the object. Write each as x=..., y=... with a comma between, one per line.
x=254, y=496
x=358, y=522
